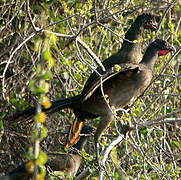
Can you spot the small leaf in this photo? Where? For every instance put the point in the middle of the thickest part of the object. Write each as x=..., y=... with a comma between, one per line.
x=40, y=117
x=143, y=131
x=46, y=75
x=30, y=166
x=42, y=158
x=46, y=54
x=43, y=133
x=1, y=124
x=37, y=91
x=114, y=156
x=117, y=68
x=45, y=102
x=38, y=69
x=176, y=143
x=37, y=45
x=44, y=86
x=51, y=62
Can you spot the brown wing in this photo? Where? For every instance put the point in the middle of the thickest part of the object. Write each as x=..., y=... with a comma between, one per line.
x=96, y=83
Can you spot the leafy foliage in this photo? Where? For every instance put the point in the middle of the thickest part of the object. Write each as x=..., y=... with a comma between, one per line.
x=40, y=54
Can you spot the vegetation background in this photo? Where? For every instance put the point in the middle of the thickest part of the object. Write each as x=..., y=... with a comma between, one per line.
x=51, y=41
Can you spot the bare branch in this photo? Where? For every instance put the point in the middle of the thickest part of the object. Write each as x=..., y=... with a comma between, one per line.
x=161, y=120
x=59, y=34
x=168, y=115
x=165, y=13
x=106, y=153
x=9, y=61
x=82, y=59
x=90, y=52
x=29, y=16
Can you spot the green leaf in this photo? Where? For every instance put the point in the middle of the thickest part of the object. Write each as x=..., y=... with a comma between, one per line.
x=143, y=131
x=114, y=156
x=43, y=132
x=160, y=133
x=42, y=170
x=42, y=158
x=37, y=45
x=46, y=75
x=38, y=90
x=31, y=85
x=51, y=62
x=46, y=54
x=176, y=143
x=1, y=124
x=44, y=86
x=38, y=69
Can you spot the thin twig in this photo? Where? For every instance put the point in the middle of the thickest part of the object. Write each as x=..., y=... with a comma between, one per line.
x=167, y=120
x=29, y=16
x=106, y=153
x=82, y=59
x=166, y=64
x=165, y=13
x=90, y=52
x=60, y=35
x=9, y=61
x=167, y=115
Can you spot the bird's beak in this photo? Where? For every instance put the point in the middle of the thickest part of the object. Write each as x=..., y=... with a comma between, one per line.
x=169, y=48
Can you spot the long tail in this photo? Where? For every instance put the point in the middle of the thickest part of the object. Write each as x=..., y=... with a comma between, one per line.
x=56, y=106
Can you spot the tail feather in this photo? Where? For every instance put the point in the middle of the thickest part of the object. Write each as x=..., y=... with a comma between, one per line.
x=56, y=106
x=62, y=103
x=74, y=133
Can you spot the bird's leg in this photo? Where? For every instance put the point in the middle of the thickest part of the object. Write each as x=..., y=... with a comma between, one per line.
x=104, y=123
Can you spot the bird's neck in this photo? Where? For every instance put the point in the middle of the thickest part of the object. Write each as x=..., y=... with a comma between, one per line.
x=134, y=33
x=131, y=50
x=150, y=57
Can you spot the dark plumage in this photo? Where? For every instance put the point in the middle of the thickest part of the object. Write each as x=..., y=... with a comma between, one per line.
x=130, y=52
x=121, y=87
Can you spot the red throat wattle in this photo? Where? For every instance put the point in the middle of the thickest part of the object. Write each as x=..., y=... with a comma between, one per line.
x=163, y=52
x=149, y=26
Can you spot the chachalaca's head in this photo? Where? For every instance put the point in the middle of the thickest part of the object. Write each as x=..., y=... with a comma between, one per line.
x=147, y=21
x=157, y=48
x=162, y=46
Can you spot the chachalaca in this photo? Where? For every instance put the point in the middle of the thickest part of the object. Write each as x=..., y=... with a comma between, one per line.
x=58, y=163
x=130, y=52
x=69, y=163
x=121, y=88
